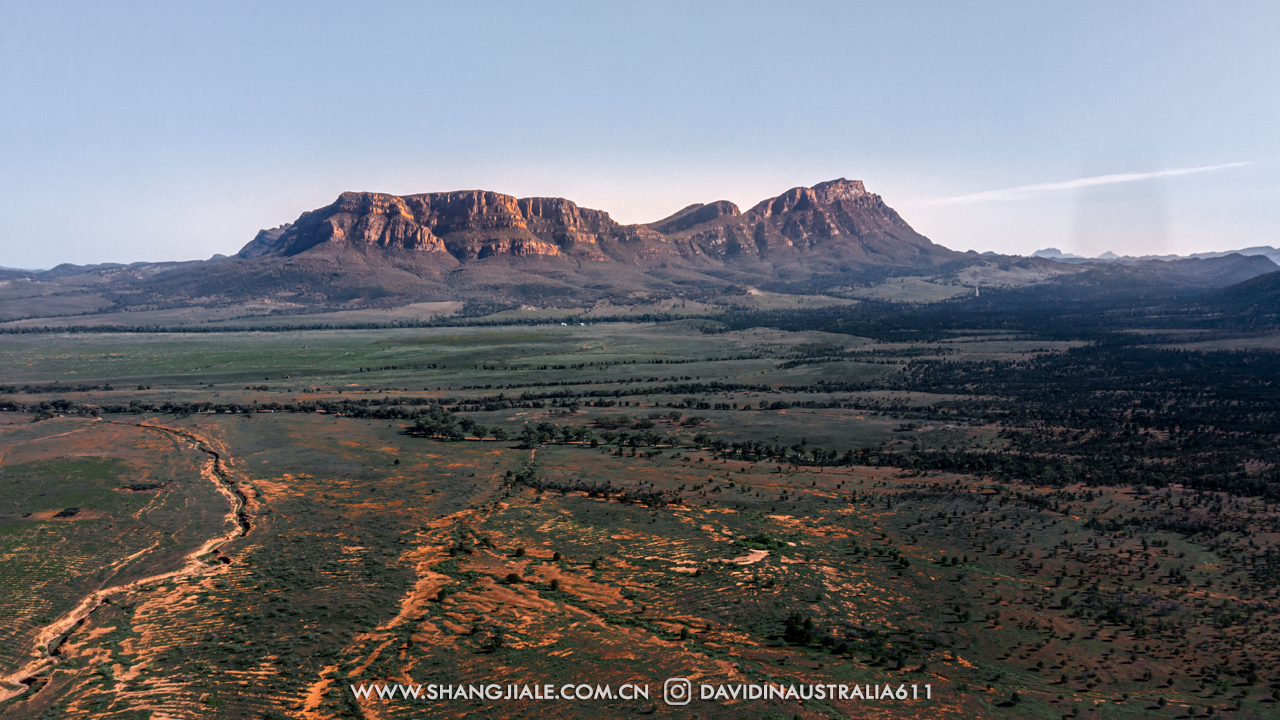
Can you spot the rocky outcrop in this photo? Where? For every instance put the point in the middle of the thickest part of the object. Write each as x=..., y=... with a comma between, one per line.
x=469, y=225
x=361, y=219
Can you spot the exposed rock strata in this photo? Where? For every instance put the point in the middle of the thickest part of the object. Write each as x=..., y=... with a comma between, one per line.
x=832, y=221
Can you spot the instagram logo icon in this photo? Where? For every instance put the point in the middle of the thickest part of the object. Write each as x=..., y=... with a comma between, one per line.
x=677, y=691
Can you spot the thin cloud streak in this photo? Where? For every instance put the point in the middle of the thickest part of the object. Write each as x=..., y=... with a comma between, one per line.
x=1026, y=191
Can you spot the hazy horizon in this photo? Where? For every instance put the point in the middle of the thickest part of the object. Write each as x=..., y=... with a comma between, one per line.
x=149, y=133
x=941, y=201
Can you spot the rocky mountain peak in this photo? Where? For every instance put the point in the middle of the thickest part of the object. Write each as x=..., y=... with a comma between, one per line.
x=834, y=191
x=803, y=198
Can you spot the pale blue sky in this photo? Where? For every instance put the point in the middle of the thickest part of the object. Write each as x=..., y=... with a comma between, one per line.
x=152, y=131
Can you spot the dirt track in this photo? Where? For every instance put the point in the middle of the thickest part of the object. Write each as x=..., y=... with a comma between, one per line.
x=55, y=634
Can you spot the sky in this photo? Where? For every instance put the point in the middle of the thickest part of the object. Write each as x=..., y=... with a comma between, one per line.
x=145, y=131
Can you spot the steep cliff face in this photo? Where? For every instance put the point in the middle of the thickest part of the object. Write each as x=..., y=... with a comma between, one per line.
x=469, y=225
x=805, y=228
x=362, y=220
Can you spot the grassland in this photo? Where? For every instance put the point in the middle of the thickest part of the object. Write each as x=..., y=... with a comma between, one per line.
x=671, y=500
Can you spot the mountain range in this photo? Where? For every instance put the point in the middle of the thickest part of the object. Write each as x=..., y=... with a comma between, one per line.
x=369, y=249
x=375, y=247
x=1266, y=251
x=837, y=219
x=831, y=227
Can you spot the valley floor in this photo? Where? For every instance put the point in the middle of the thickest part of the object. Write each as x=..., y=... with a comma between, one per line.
x=269, y=522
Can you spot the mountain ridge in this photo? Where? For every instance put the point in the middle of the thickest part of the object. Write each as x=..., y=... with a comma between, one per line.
x=491, y=250
x=837, y=218
x=1052, y=253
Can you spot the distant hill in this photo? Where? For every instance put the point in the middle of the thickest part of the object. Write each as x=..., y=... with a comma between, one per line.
x=1266, y=251
x=1155, y=278
x=1253, y=302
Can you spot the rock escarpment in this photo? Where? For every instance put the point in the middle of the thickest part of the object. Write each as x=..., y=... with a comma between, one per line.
x=468, y=225
x=803, y=227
